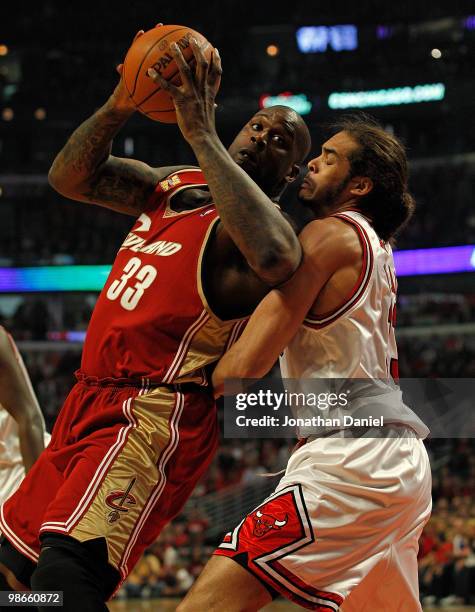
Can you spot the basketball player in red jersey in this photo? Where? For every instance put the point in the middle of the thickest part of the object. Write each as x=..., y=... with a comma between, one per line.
x=342, y=527
x=139, y=428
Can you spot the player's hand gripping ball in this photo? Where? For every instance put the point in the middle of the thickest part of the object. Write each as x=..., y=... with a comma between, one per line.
x=152, y=50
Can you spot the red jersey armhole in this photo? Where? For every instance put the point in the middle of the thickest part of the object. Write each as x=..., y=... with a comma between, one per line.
x=166, y=186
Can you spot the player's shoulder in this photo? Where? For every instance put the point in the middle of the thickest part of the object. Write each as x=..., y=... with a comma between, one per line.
x=330, y=237
x=164, y=172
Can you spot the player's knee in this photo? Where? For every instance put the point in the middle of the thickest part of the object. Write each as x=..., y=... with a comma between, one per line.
x=60, y=569
x=80, y=569
x=198, y=599
x=56, y=568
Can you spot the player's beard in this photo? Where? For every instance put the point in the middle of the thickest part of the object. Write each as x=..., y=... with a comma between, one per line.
x=324, y=202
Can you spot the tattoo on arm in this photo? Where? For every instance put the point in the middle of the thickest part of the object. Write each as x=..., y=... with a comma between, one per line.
x=89, y=145
x=254, y=223
x=121, y=183
x=85, y=170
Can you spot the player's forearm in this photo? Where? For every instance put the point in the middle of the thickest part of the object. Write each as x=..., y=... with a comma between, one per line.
x=255, y=224
x=236, y=366
x=31, y=435
x=272, y=326
x=88, y=147
x=257, y=350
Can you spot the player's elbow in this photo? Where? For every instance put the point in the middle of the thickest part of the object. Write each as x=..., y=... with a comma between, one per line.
x=278, y=264
x=57, y=180
x=278, y=260
x=62, y=181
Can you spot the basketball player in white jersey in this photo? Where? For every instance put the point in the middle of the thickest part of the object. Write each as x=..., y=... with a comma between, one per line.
x=342, y=527
x=22, y=428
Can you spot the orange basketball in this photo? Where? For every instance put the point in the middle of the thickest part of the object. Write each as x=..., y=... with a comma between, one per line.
x=152, y=50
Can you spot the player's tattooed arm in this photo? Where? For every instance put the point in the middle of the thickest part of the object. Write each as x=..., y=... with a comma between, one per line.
x=329, y=247
x=85, y=170
x=251, y=219
x=253, y=222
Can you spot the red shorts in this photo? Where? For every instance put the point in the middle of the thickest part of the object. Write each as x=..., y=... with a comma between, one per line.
x=121, y=463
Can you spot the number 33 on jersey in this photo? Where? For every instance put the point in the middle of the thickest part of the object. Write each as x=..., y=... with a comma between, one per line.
x=152, y=319
x=144, y=275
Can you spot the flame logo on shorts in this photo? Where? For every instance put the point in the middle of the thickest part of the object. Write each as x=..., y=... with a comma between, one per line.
x=117, y=500
x=263, y=523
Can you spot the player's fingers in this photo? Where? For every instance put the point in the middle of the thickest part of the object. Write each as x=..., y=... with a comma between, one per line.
x=215, y=71
x=138, y=35
x=173, y=90
x=202, y=64
x=119, y=68
x=159, y=25
x=185, y=71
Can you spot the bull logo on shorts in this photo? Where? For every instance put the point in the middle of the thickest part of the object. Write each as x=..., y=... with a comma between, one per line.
x=263, y=523
x=117, y=500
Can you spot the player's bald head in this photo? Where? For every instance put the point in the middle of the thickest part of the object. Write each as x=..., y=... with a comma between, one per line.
x=295, y=123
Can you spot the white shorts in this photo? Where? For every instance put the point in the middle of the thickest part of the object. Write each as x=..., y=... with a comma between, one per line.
x=343, y=525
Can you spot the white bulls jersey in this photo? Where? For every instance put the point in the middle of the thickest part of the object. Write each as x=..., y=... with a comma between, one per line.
x=355, y=341
x=10, y=454
x=11, y=463
x=12, y=470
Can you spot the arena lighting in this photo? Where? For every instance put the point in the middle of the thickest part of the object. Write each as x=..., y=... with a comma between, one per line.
x=7, y=114
x=387, y=97
x=317, y=39
x=53, y=278
x=66, y=336
x=129, y=146
x=272, y=50
x=446, y=260
x=298, y=102
x=384, y=31
x=3, y=50
x=40, y=114
x=436, y=53
x=469, y=22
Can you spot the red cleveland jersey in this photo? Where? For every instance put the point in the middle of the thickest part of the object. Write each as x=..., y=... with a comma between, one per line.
x=151, y=321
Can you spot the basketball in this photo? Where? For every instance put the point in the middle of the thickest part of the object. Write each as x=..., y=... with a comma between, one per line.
x=152, y=50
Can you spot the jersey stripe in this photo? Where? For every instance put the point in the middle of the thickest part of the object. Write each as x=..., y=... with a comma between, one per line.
x=23, y=548
x=184, y=346
x=154, y=497
x=98, y=478
x=236, y=332
x=360, y=286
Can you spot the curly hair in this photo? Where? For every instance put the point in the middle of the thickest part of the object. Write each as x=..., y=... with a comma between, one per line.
x=381, y=157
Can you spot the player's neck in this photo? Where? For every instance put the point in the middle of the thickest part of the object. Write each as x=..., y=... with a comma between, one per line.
x=348, y=206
